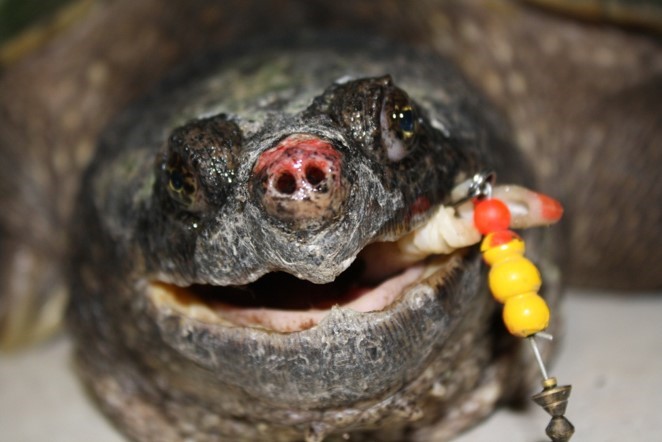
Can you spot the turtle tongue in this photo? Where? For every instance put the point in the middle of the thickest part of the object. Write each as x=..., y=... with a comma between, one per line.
x=283, y=303
x=360, y=299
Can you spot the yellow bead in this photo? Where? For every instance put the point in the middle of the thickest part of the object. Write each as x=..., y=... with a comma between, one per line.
x=526, y=314
x=513, y=276
x=493, y=254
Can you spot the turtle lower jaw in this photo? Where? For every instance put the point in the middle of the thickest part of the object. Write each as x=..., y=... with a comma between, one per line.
x=368, y=362
x=183, y=365
x=373, y=354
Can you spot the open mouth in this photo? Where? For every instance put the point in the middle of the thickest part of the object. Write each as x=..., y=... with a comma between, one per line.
x=382, y=273
x=283, y=303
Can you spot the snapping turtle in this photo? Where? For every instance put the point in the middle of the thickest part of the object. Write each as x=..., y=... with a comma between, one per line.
x=198, y=245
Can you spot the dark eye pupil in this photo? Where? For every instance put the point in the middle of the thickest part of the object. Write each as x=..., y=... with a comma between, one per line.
x=176, y=180
x=406, y=118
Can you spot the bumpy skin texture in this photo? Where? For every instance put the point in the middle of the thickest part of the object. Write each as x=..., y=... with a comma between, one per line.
x=581, y=98
x=353, y=370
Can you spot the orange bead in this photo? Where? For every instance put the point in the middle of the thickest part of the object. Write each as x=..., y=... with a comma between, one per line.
x=491, y=215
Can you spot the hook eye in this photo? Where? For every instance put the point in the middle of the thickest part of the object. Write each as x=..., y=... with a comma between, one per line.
x=481, y=185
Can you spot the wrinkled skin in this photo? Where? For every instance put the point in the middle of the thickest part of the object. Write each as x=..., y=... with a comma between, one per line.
x=350, y=371
x=572, y=103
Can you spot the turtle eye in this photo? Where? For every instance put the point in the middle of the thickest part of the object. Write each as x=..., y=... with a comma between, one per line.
x=176, y=181
x=182, y=185
x=398, y=124
x=404, y=121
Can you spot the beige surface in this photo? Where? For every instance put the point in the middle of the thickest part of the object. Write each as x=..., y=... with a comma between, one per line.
x=612, y=355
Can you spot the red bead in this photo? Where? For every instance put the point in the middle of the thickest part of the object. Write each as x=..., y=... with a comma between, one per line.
x=491, y=215
x=499, y=238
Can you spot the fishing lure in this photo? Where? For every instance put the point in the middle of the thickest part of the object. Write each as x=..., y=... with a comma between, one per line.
x=514, y=281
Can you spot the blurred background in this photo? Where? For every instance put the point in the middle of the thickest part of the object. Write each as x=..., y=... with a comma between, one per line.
x=65, y=71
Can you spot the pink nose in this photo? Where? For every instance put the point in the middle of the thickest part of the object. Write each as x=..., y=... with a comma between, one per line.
x=300, y=181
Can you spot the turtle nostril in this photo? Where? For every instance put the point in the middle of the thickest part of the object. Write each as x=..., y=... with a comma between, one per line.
x=314, y=175
x=300, y=182
x=286, y=183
